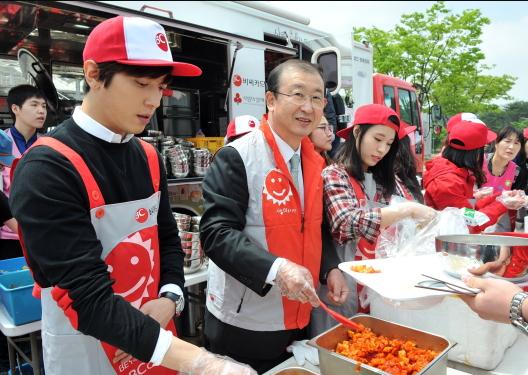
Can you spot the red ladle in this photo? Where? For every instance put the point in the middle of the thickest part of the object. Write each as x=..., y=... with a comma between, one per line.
x=340, y=318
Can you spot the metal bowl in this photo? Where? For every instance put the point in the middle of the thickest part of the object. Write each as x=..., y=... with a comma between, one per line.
x=489, y=255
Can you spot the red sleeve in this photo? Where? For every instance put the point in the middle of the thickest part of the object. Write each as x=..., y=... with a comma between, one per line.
x=450, y=190
x=492, y=208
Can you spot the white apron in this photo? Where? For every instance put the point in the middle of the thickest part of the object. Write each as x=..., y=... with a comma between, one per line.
x=128, y=233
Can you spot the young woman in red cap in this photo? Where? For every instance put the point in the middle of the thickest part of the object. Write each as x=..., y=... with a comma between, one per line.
x=449, y=180
x=359, y=186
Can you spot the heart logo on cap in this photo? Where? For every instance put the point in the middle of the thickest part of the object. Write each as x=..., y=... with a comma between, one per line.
x=251, y=123
x=161, y=41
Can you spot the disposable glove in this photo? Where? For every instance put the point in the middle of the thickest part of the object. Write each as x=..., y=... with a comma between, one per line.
x=296, y=283
x=302, y=353
x=211, y=364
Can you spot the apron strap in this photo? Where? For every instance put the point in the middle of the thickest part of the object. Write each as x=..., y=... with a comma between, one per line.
x=153, y=163
x=92, y=189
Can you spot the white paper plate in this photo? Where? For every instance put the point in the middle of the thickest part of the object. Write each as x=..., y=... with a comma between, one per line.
x=398, y=276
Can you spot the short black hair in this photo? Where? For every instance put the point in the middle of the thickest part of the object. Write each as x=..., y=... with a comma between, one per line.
x=383, y=172
x=275, y=75
x=108, y=70
x=468, y=159
x=19, y=94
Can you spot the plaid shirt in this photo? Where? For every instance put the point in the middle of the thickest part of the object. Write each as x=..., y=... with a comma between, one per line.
x=349, y=221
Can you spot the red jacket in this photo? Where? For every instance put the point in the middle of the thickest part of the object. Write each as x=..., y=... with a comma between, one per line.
x=447, y=185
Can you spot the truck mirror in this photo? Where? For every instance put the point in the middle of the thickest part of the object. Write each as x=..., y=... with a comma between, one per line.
x=329, y=60
x=436, y=111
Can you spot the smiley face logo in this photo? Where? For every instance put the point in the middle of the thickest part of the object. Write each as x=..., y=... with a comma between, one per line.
x=161, y=42
x=277, y=188
x=142, y=215
x=130, y=264
x=237, y=80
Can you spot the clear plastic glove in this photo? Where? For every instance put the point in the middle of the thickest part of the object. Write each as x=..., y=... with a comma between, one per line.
x=302, y=353
x=420, y=213
x=211, y=364
x=296, y=283
x=482, y=192
x=513, y=200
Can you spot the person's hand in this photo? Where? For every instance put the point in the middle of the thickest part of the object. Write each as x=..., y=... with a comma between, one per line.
x=162, y=310
x=493, y=301
x=302, y=353
x=296, y=283
x=420, y=213
x=513, y=200
x=497, y=267
x=482, y=192
x=207, y=363
x=337, y=287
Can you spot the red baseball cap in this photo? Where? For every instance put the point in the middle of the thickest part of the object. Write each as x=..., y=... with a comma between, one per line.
x=469, y=118
x=373, y=114
x=469, y=135
x=241, y=125
x=134, y=41
x=405, y=130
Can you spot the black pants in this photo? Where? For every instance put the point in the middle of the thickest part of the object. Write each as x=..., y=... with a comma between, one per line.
x=10, y=249
x=260, y=350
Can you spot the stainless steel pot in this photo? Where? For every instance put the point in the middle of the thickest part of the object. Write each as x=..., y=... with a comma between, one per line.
x=490, y=255
x=332, y=363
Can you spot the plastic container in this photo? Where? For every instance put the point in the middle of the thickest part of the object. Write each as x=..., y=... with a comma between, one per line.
x=13, y=265
x=15, y=294
x=210, y=143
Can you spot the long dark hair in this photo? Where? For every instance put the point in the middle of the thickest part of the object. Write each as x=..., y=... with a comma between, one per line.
x=405, y=168
x=469, y=159
x=383, y=172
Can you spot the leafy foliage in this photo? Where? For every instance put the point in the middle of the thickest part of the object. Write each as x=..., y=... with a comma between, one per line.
x=439, y=52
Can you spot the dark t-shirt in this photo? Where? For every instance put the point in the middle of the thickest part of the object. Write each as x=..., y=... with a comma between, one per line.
x=49, y=200
x=5, y=212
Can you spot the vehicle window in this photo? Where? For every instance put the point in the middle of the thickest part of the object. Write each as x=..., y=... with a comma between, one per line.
x=388, y=97
x=10, y=75
x=415, y=110
x=405, y=106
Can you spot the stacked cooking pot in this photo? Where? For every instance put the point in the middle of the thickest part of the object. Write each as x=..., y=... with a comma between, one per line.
x=188, y=227
x=201, y=160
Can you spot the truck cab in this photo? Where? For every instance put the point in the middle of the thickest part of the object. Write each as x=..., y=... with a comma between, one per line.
x=401, y=96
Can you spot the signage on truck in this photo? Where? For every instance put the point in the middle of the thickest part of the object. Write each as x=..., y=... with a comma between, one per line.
x=248, y=87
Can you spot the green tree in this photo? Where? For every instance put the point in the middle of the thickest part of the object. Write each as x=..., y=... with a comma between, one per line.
x=514, y=113
x=439, y=53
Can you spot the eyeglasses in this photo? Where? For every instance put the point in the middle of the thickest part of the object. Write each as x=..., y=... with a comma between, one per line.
x=329, y=129
x=299, y=98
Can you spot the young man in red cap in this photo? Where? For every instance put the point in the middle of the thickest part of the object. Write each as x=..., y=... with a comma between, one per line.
x=449, y=180
x=96, y=222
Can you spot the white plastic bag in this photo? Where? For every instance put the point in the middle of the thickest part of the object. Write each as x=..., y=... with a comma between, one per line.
x=407, y=237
